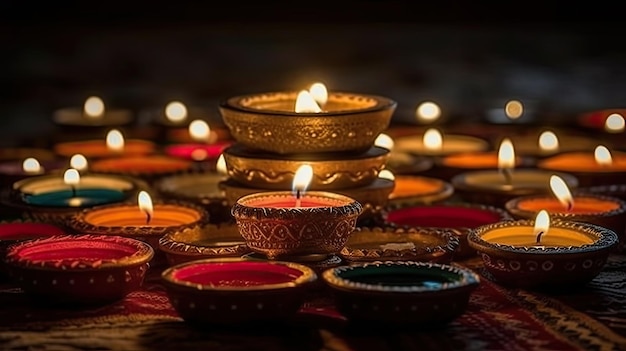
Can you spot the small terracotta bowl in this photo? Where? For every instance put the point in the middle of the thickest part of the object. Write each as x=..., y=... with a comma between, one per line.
x=538, y=266
x=235, y=290
x=267, y=121
x=79, y=270
x=273, y=226
x=401, y=293
x=209, y=241
x=400, y=244
x=459, y=218
x=330, y=171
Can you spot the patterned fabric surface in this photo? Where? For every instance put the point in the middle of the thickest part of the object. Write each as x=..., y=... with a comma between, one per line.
x=497, y=318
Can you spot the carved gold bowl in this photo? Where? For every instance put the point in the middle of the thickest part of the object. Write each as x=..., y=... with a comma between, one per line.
x=272, y=225
x=330, y=171
x=267, y=121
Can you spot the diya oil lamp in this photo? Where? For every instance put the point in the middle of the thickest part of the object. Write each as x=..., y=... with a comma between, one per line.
x=209, y=241
x=605, y=211
x=296, y=223
x=402, y=162
x=232, y=291
x=457, y=218
x=114, y=145
x=410, y=189
x=79, y=270
x=609, y=120
x=548, y=143
x=400, y=244
x=143, y=220
x=600, y=167
x=495, y=187
x=446, y=167
x=313, y=121
x=204, y=146
x=330, y=171
x=434, y=144
x=539, y=254
x=93, y=114
x=147, y=167
x=13, y=171
x=401, y=293
x=202, y=188
x=54, y=197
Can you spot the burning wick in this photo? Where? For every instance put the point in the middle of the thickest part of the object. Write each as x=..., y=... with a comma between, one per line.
x=145, y=204
x=506, y=172
x=71, y=177
x=298, y=200
x=539, y=237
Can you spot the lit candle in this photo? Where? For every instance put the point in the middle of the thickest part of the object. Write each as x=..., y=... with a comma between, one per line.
x=428, y=112
x=79, y=162
x=92, y=114
x=344, y=122
x=176, y=112
x=599, y=167
x=143, y=220
x=434, y=143
x=147, y=167
x=496, y=187
x=273, y=224
x=605, y=211
x=72, y=191
x=549, y=142
x=114, y=144
x=614, y=123
x=15, y=170
x=301, y=181
x=204, y=148
x=543, y=253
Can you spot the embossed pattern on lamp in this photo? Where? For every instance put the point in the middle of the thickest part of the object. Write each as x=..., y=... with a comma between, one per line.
x=343, y=122
x=282, y=223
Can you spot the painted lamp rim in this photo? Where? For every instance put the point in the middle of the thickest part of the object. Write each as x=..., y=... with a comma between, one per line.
x=307, y=275
x=606, y=238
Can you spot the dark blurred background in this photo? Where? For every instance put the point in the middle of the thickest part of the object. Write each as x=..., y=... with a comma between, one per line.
x=559, y=59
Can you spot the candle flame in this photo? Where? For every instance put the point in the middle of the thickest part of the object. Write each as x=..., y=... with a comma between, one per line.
x=319, y=93
x=145, y=203
x=71, y=176
x=302, y=178
x=306, y=103
x=561, y=191
x=115, y=140
x=220, y=165
x=78, y=162
x=199, y=130
x=542, y=224
x=506, y=155
x=603, y=156
x=383, y=140
x=175, y=111
x=614, y=123
x=432, y=139
x=428, y=111
x=386, y=174
x=548, y=141
x=31, y=166
x=94, y=107
x=514, y=109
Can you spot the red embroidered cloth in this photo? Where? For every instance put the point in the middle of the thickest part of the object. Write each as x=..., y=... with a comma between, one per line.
x=497, y=318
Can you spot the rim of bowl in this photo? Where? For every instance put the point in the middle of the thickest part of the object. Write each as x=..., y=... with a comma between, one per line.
x=512, y=206
x=143, y=253
x=308, y=275
x=606, y=238
x=466, y=277
x=233, y=103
